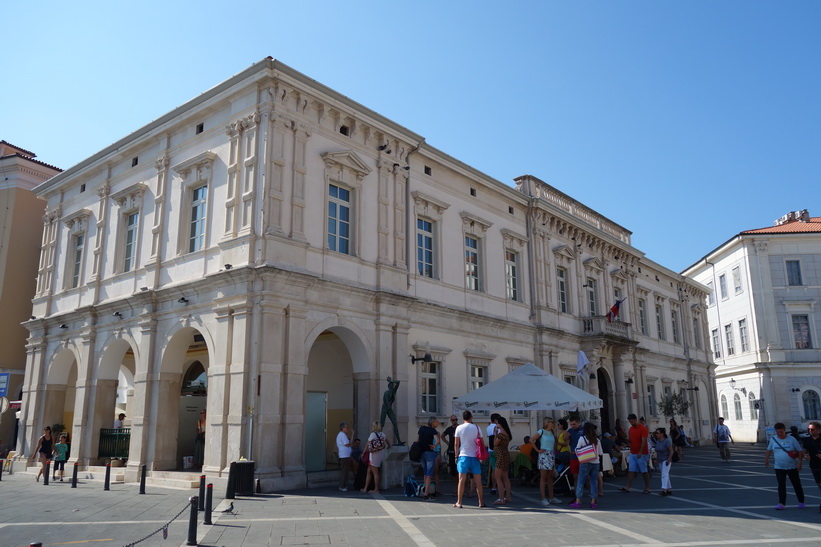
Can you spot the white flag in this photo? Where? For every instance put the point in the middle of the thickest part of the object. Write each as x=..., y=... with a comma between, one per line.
x=581, y=363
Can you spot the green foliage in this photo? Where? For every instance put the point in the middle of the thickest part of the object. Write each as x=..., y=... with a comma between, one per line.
x=673, y=405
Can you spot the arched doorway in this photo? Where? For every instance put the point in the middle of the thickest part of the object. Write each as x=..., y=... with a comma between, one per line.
x=605, y=396
x=193, y=399
x=61, y=394
x=114, y=381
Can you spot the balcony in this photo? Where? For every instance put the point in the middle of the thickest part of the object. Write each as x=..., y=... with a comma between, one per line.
x=599, y=326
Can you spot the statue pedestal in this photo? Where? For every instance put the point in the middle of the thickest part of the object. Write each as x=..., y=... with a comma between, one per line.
x=395, y=467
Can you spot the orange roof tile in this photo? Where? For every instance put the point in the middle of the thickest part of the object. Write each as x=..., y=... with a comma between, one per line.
x=793, y=227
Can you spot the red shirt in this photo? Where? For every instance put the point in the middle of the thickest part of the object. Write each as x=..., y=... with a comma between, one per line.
x=636, y=432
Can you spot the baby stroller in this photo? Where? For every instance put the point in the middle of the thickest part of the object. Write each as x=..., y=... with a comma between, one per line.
x=562, y=485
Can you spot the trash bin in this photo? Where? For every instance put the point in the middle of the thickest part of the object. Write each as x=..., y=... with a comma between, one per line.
x=240, y=479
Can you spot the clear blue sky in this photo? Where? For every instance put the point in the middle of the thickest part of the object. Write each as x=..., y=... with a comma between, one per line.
x=685, y=122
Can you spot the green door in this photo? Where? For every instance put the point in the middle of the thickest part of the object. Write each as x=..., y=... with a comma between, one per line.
x=316, y=424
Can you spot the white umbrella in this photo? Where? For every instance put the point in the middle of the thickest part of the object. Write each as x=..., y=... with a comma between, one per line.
x=527, y=388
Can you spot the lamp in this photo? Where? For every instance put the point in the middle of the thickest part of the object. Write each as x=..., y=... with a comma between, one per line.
x=229, y=266
x=33, y=317
x=592, y=375
x=691, y=388
x=796, y=390
x=182, y=300
x=732, y=383
x=143, y=289
x=63, y=326
x=425, y=359
x=117, y=314
x=628, y=381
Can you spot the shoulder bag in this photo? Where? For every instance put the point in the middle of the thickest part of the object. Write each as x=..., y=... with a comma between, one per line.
x=586, y=454
x=481, y=449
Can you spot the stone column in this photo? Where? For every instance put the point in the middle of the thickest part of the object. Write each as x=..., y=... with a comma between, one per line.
x=295, y=370
x=268, y=435
x=141, y=416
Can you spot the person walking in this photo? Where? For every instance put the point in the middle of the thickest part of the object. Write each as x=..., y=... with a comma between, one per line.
x=60, y=452
x=44, y=451
x=376, y=446
x=723, y=438
x=429, y=438
x=575, y=433
x=812, y=452
x=588, y=470
x=467, y=462
x=664, y=453
x=788, y=460
x=677, y=439
x=501, y=441
x=639, y=455
x=199, y=441
x=448, y=437
x=344, y=443
x=547, y=461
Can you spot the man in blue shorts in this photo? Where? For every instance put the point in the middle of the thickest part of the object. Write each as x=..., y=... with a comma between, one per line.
x=639, y=455
x=466, y=461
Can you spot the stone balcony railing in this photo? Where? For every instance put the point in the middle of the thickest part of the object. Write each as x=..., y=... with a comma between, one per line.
x=600, y=326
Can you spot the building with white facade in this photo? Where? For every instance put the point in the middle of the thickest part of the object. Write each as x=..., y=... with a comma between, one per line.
x=763, y=314
x=274, y=251
x=20, y=227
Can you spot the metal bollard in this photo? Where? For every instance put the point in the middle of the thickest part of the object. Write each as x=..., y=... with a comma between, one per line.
x=142, y=479
x=37, y=544
x=202, y=493
x=107, y=477
x=192, y=522
x=48, y=473
x=209, y=497
x=2, y=465
x=74, y=475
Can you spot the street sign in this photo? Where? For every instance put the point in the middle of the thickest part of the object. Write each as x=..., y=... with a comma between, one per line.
x=4, y=384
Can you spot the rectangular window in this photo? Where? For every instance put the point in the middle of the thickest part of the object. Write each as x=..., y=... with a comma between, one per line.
x=472, y=263
x=592, y=303
x=682, y=393
x=477, y=379
x=132, y=221
x=794, y=273
x=711, y=295
x=801, y=331
x=339, y=219
x=660, y=323
x=643, y=316
x=722, y=284
x=674, y=326
x=429, y=389
x=651, y=400
x=737, y=405
x=561, y=285
x=697, y=333
x=424, y=247
x=512, y=275
x=716, y=345
x=742, y=334
x=77, y=266
x=196, y=232
x=728, y=337
x=737, y=279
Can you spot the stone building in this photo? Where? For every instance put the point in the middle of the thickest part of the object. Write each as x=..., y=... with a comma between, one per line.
x=765, y=285
x=274, y=251
x=20, y=226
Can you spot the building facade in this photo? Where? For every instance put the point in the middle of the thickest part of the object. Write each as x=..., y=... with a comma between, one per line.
x=765, y=285
x=20, y=227
x=273, y=252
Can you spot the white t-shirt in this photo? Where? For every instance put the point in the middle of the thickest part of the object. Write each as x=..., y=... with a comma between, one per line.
x=118, y=424
x=467, y=434
x=491, y=431
x=341, y=441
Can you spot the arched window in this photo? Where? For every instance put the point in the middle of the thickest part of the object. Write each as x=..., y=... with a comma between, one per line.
x=753, y=409
x=724, y=410
x=737, y=404
x=812, y=404
x=195, y=381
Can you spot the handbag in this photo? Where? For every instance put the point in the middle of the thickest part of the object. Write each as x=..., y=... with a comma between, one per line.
x=415, y=452
x=791, y=453
x=586, y=454
x=366, y=458
x=481, y=449
x=375, y=445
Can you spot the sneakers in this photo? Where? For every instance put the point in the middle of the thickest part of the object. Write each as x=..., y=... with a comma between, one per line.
x=343, y=489
x=545, y=502
x=555, y=501
x=576, y=505
x=802, y=505
x=593, y=505
x=779, y=507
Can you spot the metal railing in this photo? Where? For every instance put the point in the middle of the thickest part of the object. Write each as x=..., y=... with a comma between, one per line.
x=114, y=443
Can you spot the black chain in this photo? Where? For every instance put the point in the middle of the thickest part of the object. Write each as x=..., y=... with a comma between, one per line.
x=187, y=506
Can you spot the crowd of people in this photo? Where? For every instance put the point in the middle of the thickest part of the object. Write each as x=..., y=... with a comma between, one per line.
x=560, y=444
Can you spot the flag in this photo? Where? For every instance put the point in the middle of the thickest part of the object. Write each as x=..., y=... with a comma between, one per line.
x=614, y=311
x=581, y=363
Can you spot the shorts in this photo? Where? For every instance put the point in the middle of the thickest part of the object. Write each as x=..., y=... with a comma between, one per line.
x=574, y=465
x=467, y=464
x=637, y=463
x=428, y=463
x=816, y=474
x=547, y=462
x=59, y=465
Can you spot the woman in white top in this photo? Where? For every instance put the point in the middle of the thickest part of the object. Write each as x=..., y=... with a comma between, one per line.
x=588, y=469
x=547, y=461
x=377, y=444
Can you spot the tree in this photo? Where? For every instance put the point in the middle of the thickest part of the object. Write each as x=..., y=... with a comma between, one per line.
x=673, y=404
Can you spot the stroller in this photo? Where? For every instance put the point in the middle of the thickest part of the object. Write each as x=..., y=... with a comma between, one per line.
x=562, y=485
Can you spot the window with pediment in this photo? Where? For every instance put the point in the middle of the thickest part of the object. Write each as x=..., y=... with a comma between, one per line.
x=77, y=224
x=129, y=202
x=195, y=210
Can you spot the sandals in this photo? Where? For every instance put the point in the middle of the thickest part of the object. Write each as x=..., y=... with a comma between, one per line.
x=499, y=501
x=624, y=490
x=646, y=492
x=457, y=505
x=482, y=506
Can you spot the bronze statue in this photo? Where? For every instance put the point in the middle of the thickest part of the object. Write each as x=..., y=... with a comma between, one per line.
x=387, y=408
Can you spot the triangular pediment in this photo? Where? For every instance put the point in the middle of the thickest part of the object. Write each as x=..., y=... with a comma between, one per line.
x=564, y=251
x=619, y=273
x=594, y=264
x=349, y=159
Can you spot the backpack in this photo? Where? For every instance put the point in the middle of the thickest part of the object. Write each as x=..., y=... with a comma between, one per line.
x=413, y=487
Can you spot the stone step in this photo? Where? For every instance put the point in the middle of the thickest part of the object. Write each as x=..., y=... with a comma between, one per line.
x=323, y=479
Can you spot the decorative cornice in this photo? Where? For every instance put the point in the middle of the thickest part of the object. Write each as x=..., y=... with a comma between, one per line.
x=200, y=162
x=131, y=197
x=471, y=221
x=347, y=159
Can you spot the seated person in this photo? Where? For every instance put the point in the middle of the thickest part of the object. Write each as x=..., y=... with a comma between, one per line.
x=608, y=445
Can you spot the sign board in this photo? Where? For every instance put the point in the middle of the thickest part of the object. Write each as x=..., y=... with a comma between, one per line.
x=4, y=405
x=4, y=384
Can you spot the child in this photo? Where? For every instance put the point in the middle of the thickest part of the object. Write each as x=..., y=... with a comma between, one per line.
x=60, y=450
